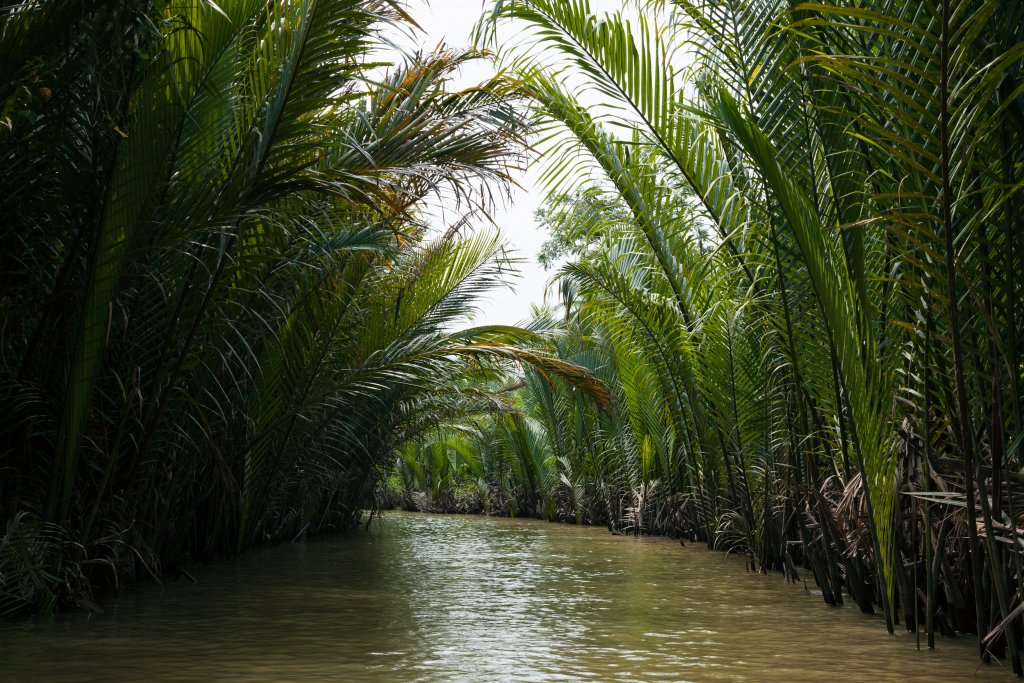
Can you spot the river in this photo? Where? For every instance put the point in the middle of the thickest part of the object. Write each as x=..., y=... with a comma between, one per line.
x=455, y=598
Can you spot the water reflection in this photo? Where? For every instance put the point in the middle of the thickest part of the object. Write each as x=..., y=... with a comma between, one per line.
x=425, y=598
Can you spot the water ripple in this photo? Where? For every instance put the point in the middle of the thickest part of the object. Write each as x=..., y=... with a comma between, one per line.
x=436, y=598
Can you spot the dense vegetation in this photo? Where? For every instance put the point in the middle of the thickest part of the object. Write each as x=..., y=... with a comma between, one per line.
x=221, y=306
x=794, y=255
x=787, y=239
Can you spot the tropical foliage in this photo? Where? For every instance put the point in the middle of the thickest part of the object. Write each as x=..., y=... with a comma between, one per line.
x=787, y=241
x=222, y=306
x=794, y=254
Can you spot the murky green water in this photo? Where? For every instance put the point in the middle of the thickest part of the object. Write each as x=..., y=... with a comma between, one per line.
x=426, y=598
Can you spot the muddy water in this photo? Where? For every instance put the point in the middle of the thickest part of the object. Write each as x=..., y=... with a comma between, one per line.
x=434, y=598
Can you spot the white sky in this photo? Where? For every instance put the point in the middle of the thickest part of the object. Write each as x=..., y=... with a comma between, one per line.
x=451, y=21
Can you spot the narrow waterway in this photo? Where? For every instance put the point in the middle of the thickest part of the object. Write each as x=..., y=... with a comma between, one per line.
x=443, y=598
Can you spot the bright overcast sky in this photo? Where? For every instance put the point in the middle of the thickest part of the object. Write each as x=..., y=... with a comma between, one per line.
x=451, y=22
